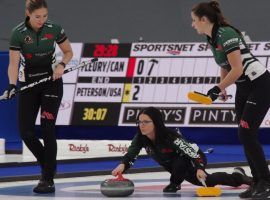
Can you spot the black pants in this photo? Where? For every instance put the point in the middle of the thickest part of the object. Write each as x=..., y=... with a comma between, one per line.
x=252, y=102
x=46, y=97
x=182, y=168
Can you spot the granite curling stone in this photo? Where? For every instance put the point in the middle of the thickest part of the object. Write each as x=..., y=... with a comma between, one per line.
x=118, y=187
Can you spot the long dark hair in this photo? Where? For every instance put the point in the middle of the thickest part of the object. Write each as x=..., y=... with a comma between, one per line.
x=212, y=11
x=163, y=135
x=32, y=5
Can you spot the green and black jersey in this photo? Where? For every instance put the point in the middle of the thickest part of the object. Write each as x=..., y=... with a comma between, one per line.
x=164, y=154
x=37, y=49
x=225, y=39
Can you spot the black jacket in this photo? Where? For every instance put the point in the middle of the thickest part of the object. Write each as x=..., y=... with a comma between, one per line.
x=164, y=153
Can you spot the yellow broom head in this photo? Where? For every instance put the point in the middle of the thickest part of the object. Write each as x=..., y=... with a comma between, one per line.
x=199, y=98
x=208, y=191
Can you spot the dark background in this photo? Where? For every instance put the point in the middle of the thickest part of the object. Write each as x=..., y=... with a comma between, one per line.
x=128, y=20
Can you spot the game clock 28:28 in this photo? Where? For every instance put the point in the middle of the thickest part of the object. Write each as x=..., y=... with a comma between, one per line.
x=94, y=114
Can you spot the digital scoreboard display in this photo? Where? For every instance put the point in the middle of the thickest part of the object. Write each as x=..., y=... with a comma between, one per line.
x=129, y=77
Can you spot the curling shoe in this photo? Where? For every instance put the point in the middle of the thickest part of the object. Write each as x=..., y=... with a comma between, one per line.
x=44, y=186
x=171, y=188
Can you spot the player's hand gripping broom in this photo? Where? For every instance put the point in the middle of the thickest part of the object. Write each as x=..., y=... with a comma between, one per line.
x=202, y=98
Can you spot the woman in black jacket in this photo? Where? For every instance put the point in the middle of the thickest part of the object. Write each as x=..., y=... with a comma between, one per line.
x=183, y=160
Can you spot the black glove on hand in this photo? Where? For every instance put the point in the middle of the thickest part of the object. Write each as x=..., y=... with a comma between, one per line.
x=213, y=93
x=10, y=91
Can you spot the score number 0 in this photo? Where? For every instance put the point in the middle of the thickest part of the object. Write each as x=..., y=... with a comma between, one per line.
x=140, y=70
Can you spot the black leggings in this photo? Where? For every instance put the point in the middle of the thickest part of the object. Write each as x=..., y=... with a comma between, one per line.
x=252, y=102
x=182, y=169
x=47, y=97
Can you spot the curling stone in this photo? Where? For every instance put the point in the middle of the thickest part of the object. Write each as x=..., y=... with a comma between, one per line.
x=118, y=187
x=208, y=191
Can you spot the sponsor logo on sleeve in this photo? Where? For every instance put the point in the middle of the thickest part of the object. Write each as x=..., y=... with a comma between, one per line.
x=231, y=41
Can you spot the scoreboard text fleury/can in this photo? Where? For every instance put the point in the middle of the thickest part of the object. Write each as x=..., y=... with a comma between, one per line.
x=128, y=77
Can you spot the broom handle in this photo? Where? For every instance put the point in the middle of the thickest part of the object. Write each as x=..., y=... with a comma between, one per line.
x=203, y=182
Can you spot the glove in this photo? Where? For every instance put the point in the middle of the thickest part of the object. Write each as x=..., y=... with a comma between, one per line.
x=10, y=91
x=213, y=93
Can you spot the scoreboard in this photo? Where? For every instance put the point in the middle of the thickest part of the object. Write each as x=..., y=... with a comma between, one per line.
x=128, y=77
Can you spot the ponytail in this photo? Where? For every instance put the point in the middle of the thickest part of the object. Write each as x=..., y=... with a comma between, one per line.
x=212, y=11
x=32, y=5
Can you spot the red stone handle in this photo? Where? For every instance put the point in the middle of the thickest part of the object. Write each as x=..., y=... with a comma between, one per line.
x=120, y=177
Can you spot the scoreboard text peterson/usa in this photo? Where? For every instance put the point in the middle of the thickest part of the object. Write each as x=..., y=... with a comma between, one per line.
x=128, y=77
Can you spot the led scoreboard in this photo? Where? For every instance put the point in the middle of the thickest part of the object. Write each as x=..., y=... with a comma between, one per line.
x=128, y=77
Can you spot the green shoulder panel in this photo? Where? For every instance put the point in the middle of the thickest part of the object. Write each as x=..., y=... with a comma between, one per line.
x=58, y=31
x=229, y=38
x=16, y=39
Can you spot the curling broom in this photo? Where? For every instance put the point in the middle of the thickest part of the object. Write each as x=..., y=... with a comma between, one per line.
x=203, y=98
x=208, y=191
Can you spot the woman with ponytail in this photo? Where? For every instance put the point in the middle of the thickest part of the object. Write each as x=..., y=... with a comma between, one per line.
x=252, y=79
x=32, y=48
